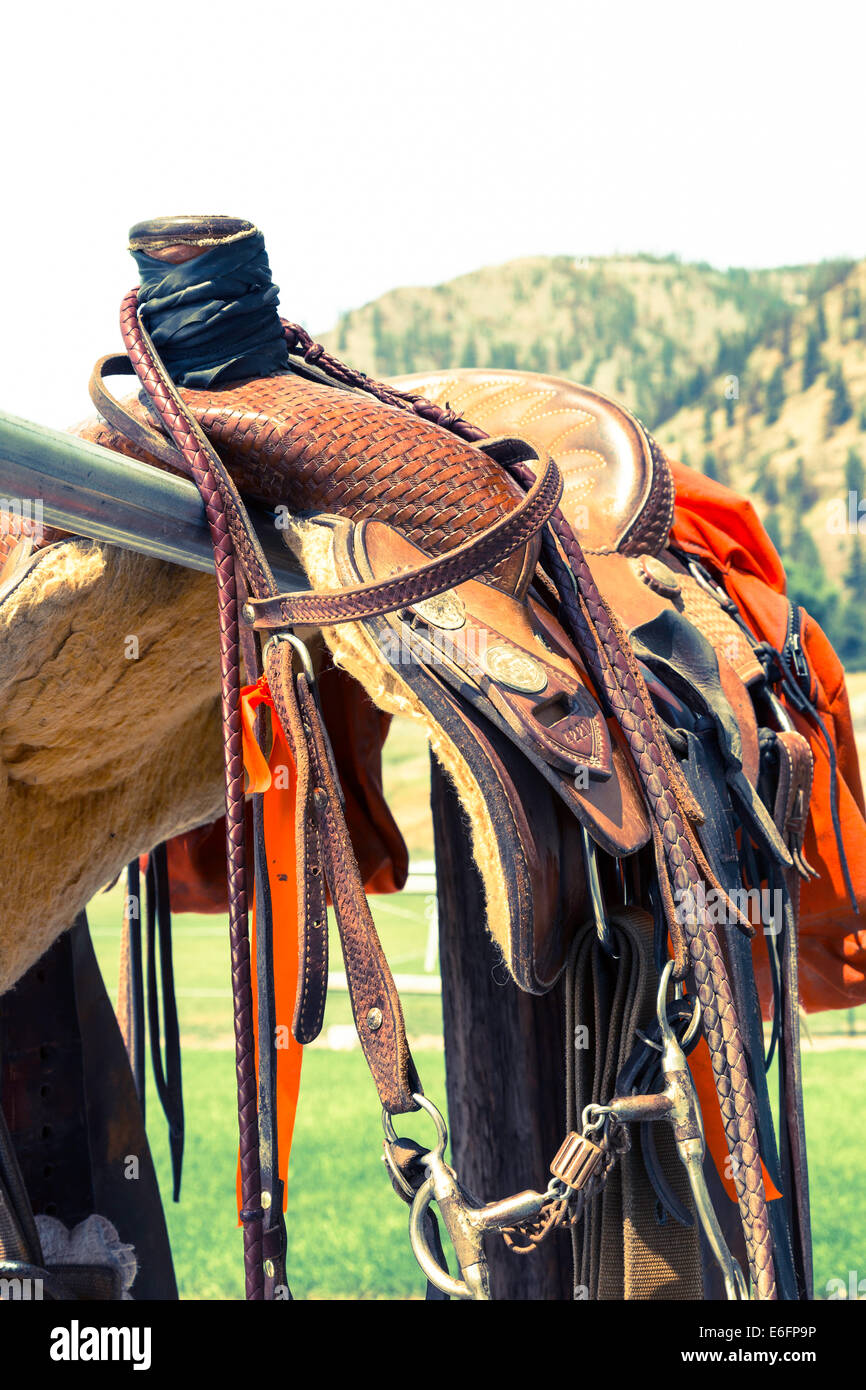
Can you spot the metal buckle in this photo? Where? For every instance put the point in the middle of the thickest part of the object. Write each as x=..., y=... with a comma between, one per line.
x=596, y=893
x=300, y=647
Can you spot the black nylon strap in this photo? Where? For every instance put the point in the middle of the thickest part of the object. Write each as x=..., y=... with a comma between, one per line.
x=168, y=1079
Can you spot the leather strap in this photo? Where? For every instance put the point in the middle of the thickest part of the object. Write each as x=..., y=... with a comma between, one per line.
x=143, y=436
x=375, y=1002
x=791, y=812
x=357, y=602
x=167, y=1078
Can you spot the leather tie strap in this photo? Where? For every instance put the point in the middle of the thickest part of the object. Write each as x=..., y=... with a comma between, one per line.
x=375, y=1001
x=425, y=581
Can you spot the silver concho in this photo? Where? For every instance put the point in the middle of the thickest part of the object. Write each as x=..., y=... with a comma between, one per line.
x=446, y=611
x=658, y=576
x=514, y=668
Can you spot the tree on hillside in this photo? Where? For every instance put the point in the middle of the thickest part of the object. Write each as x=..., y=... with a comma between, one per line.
x=852, y=311
x=854, y=472
x=785, y=338
x=773, y=527
x=848, y=634
x=503, y=354
x=812, y=364
x=840, y=408
x=821, y=322
x=537, y=357
x=667, y=363
x=807, y=583
x=855, y=572
x=589, y=375
x=708, y=425
x=388, y=358
x=730, y=410
x=802, y=494
x=714, y=467
x=768, y=484
x=754, y=395
x=775, y=396
x=470, y=352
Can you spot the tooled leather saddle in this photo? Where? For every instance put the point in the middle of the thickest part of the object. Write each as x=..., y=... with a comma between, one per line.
x=488, y=553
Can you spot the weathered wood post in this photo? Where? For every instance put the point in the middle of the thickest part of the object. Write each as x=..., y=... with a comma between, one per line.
x=504, y=1061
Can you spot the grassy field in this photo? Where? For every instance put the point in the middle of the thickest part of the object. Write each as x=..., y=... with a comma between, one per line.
x=347, y=1231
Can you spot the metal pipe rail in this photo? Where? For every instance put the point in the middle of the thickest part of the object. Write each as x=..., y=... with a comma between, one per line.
x=95, y=492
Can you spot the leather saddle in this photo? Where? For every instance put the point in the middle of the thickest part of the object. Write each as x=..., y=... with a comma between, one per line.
x=487, y=553
x=506, y=701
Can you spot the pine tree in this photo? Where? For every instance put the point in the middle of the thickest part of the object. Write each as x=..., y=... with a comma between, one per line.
x=855, y=571
x=812, y=364
x=708, y=425
x=807, y=583
x=503, y=354
x=840, y=408
x=802, y=494
x=785, y=340
x=470, y=353
x=854, y=472
x=773, y=527
x=849, y=635
x=775, y=396
x=770, y=488
x=538, y=359
x=730, y=408
x=711, y=467
x=821, y=322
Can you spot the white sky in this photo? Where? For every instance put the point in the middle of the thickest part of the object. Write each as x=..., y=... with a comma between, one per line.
x=384, y=144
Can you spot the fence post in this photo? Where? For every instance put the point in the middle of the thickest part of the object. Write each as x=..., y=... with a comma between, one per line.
x=504, y=1061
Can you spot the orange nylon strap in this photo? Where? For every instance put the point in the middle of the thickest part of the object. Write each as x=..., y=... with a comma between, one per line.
x=275, y=778
x=701, y=1068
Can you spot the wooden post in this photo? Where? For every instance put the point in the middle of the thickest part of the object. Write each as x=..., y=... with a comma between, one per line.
x=504, y=1062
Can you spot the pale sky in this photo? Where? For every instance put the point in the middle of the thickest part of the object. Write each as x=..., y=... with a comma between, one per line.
x=390, y=144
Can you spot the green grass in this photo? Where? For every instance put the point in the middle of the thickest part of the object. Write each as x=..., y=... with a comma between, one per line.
x=347, y=1231
x=834, y=1088
x=348, y=1235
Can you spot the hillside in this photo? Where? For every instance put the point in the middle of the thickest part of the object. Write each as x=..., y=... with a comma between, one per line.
x=756, y=377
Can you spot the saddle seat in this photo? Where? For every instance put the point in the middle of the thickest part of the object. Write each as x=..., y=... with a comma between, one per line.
x=618, y=491
x=619, y=499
